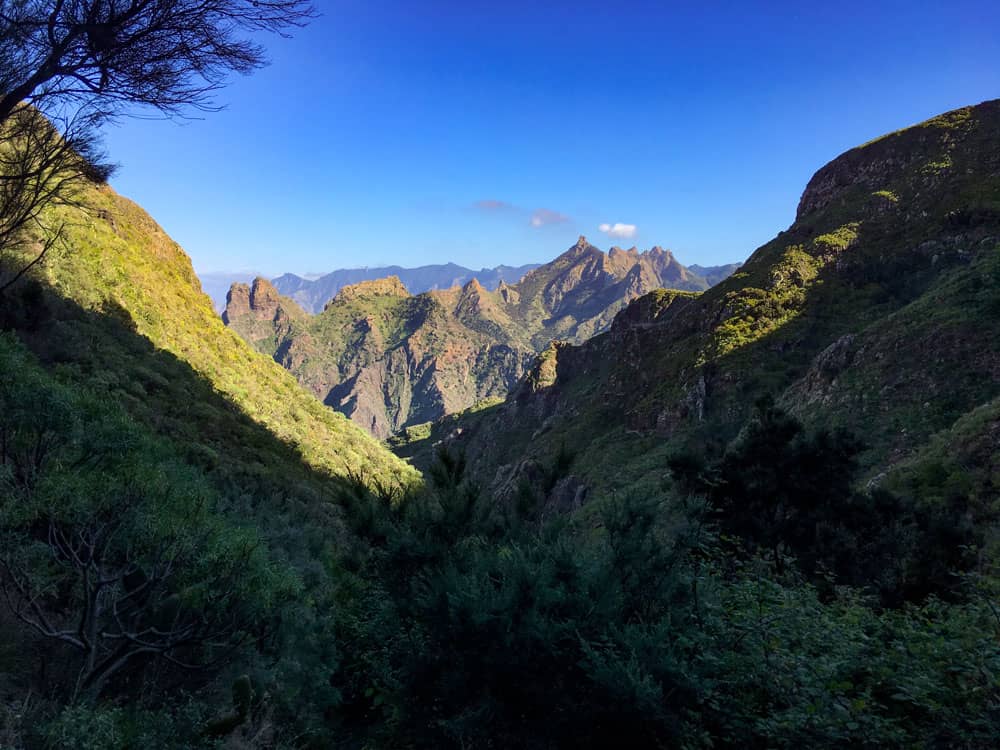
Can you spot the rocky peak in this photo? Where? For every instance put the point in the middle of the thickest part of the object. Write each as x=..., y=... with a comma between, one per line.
x=237, y=302
x=390, y=286
x=264, y=298
x=508, y=293
x=581, y=247
x=617, y=255
x=473, y=287
x=260, y=300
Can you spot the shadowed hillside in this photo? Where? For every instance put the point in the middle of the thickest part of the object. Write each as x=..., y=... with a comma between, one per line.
x=117, y=259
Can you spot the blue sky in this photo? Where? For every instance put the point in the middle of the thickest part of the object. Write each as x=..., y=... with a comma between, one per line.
x=497, y=132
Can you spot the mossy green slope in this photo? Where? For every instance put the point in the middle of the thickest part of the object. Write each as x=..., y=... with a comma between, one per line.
x=118, y=260
x=876, y=310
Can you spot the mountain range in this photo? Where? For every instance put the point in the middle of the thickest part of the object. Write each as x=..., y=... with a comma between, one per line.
x=312, y=292
x=389, y=359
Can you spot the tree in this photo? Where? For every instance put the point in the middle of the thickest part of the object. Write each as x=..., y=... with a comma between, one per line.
x=111, y=549
x=110, y=54
x=41, y=165
x=81, y=62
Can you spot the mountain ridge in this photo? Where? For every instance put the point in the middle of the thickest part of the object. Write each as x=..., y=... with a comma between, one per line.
x=871, y=313
x=124, y=263
x=389, y=359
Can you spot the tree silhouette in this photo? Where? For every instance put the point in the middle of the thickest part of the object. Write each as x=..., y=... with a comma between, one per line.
x=79, y=63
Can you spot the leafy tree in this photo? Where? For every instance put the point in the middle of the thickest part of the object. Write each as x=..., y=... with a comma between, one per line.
x=788, y=493
x=110, y=54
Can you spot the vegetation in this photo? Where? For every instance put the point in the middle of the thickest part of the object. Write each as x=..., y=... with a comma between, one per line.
x=480, y=625
x=195, y=553
x=69, y=66
x=867, y=314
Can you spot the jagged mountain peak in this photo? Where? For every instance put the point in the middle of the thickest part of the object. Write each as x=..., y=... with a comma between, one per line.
x=874, y=311
x=474, y=287
x=390, y=364
x=261, y=301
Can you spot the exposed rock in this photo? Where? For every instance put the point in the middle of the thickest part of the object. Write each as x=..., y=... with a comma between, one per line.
x=875, y=311
x=388, y=359
x=387, y=287
x=568, y=495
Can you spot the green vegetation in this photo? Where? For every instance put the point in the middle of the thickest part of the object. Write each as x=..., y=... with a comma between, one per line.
x=121, y=263
x=887, y=194
x=165, y=504
x=481, y=624
x=876, y=318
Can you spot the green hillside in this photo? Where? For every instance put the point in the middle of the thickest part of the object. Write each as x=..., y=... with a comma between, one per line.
x=129, y=413
x=117, y=261
x=875, y=311
x=760, y=516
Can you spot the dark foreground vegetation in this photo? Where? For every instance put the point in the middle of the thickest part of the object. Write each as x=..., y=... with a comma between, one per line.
x=757, y=601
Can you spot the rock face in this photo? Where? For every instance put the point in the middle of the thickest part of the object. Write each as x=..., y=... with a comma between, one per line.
x=389, y=359
x=877, y=311
x=259, y=311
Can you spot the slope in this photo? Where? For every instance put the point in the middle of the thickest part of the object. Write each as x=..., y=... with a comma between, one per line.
x=875, y=311
x=119, y=263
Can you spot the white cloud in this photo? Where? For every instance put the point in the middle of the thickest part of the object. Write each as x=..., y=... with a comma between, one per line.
x=542, y=216
x=622, y=231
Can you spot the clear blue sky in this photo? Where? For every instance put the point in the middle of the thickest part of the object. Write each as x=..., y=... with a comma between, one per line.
x=496, y=132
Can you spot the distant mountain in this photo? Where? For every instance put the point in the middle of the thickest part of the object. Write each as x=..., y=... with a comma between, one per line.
x=127, y=302
x=714, y=274
x=389, y=359
x=313, y=294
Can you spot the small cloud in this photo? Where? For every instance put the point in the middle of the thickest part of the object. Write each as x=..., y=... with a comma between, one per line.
x=619, y=230
x=492, y=205
x=542, y=216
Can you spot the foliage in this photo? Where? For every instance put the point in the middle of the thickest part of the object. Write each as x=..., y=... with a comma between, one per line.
x=783, y=491
x=476, y=629
x=112, y=549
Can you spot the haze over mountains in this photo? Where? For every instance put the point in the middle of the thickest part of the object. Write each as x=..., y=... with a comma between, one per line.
x=388, y=358
x=312, y=292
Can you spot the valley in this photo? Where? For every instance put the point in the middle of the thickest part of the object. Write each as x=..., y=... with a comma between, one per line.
x=605, y=501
